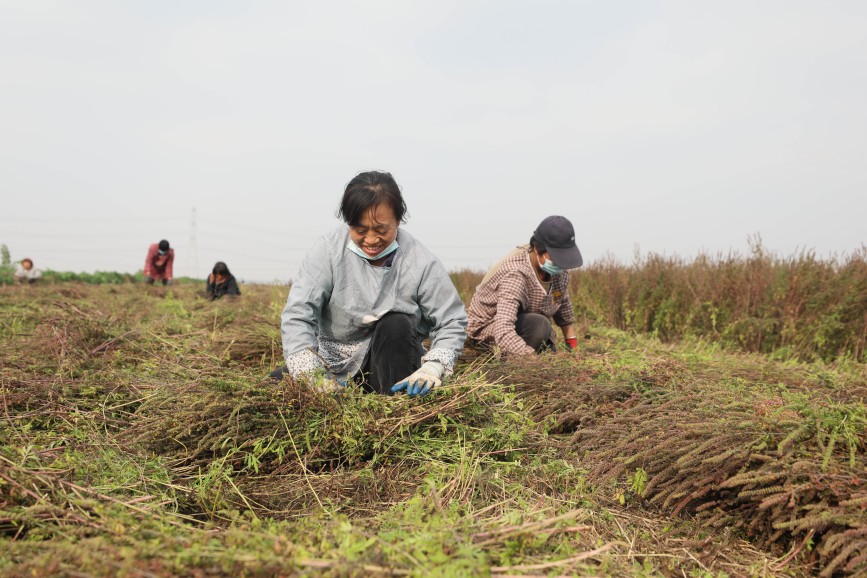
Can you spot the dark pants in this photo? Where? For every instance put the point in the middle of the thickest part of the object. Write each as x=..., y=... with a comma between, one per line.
x=536, y=331
x=395, y=353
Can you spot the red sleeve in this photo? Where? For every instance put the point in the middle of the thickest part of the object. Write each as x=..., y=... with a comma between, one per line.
x=152, y=250
x=169, y=263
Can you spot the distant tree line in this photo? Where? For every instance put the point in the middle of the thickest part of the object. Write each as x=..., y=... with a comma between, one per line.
x=7, y=270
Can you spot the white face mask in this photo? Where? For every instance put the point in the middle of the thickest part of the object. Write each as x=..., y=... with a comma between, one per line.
x=385, y=252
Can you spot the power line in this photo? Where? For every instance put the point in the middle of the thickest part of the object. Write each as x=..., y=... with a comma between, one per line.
x=221, y=235
x=89, y=220
x=39, y=235
x=244, y=240
x=253, y=256
x=253, y=228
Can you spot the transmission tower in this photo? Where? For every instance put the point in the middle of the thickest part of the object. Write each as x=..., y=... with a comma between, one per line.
x=194, y=249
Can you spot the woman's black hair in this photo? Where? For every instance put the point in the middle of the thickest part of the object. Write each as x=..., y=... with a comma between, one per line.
x=220, y=269
x=164, y=245
x=539, y=246
x=366, y=191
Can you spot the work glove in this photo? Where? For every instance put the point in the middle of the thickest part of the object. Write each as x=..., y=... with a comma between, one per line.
x=427, y=377
x=572, y=343
x=330, y=383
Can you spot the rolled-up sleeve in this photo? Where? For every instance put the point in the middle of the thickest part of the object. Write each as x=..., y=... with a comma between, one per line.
x=310, y=292
x=442, y=306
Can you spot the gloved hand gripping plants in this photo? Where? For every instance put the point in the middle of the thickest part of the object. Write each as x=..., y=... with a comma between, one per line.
x=328, y=383
x=425, y=378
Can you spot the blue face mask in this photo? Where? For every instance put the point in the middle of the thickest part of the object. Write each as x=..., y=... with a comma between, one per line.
x=387, y=251
x=550, y=268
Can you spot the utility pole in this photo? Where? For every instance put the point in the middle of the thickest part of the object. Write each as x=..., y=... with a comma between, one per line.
x=193, y=246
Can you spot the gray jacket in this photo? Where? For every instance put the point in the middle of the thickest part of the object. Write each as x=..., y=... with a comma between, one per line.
x=338, y=297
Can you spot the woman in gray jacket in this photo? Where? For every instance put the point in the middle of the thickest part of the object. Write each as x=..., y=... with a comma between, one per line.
x=366, y=296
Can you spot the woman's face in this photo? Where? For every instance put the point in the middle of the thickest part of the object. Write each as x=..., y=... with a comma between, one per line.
x=27, y=264
x=376, y=230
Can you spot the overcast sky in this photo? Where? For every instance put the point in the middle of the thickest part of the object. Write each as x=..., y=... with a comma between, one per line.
x=674, y=127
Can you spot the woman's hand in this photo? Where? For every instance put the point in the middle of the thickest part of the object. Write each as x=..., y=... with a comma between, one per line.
x=427, y=377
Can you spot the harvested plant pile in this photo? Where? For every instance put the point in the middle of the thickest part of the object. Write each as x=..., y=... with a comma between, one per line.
x=783, y=464
x=140, y=438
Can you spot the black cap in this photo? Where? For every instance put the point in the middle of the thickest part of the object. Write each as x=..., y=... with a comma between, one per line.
x=164, y=245
x=557, y=235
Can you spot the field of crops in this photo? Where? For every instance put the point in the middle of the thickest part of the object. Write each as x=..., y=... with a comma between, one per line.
x=139, y=438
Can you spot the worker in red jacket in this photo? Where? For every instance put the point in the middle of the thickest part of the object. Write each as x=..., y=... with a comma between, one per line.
x=158, y=264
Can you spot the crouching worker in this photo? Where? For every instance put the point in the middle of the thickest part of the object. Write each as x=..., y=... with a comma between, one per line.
x=26, y=272
x=512, y=305
x=366, y=296
x=221, y=282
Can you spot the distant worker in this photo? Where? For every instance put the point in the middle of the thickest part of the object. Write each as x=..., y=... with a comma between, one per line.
x=25, y=272
x=512, y=305
x=158, y=264
x=221, y=282
x=366, y=297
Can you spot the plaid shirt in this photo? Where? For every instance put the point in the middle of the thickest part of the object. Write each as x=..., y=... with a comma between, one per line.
x=512, y=287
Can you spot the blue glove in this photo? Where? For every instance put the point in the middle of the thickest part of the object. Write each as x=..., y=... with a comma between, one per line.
x=427, y=377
